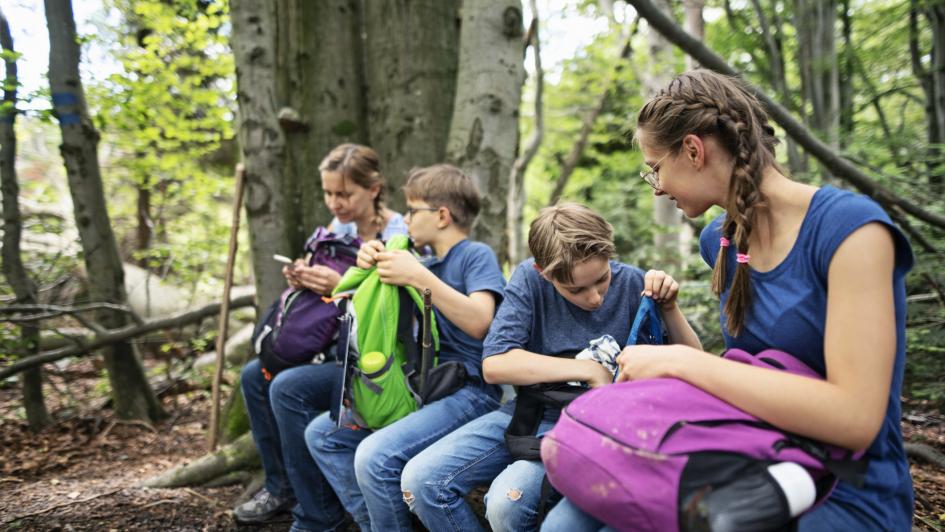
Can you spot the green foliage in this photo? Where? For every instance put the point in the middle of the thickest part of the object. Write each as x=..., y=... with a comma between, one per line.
x=887, y=138
x=166, y=116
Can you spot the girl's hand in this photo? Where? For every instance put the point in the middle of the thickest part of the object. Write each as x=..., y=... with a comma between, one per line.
x=661, y=287
x=367, y=255
x=650, y=361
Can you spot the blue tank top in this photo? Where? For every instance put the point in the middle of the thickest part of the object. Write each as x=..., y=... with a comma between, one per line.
x=788, y=312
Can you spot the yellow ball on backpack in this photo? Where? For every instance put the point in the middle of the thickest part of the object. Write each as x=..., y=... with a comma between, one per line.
x=372, y=362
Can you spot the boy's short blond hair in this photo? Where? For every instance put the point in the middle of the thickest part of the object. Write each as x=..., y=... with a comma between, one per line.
x=567, y=234
x=444, y=185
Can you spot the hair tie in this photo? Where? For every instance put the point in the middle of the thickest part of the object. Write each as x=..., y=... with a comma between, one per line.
x=742, y=258
x=724, y=242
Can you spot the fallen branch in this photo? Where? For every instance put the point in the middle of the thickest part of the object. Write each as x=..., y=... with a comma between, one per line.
x=832, y=161
x=60, y=505
x=122, y=334
x=926, y=453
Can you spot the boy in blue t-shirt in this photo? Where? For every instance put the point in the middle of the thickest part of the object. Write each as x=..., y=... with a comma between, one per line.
x=568, y=294
x=363, y=467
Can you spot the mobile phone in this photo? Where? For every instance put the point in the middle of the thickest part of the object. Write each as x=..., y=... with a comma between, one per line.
x=283, y=258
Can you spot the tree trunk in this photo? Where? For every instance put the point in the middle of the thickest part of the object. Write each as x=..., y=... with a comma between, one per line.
x=23, y=287
x=319, y=73
x=484, y=130
x=666, y=217
x=933, y=83
x=772, y=35
x=815, y=22
x=262, y=140
x=695, y=25
x=133, y=397
x=411, y=52
x=516, y=196
x=145, y=224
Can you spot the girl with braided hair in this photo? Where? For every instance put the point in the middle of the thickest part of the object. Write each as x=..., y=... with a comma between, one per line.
x=815, y=272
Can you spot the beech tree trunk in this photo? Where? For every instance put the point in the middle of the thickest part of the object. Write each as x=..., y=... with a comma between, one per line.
x=666, y=217
x=23, y=287
x=411, y=53
x=262, y=140
x=484, y=131
x=319, y=75
x=815, y=23
x=132, y=395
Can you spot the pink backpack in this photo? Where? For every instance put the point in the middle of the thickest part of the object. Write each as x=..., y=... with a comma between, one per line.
x=662, y=454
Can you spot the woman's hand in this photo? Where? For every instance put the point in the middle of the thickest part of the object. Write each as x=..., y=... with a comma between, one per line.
x=367, y=255
x=651, y=361
x=319, y=279
x=288, y=271
x=661, y=287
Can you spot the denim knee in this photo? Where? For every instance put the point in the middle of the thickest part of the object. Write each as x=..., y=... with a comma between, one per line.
x=417, y=486
x=370, y=459
x=251, y=378
x=508, y=510
x=314, y=436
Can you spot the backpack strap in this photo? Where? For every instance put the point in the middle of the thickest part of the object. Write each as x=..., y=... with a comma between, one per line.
x=521, y=436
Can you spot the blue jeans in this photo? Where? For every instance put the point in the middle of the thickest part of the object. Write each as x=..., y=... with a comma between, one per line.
x=829, y=517
x=278, y=413
x=364, y=467
x=475, y=455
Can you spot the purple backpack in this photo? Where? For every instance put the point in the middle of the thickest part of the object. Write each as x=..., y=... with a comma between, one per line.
x=661, y=454
x=300, y=325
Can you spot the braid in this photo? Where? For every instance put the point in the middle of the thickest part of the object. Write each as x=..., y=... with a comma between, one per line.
x=704, y=103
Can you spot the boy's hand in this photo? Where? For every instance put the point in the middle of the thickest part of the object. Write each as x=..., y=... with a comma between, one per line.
x=367, y=255
x=400, y=267
x=319, y=279
x=597, y=374
x=661, y=287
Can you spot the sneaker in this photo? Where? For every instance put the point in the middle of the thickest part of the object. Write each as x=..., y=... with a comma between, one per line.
x=262, y=507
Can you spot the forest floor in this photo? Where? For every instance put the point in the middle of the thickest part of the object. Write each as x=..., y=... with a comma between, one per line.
x=83, y=473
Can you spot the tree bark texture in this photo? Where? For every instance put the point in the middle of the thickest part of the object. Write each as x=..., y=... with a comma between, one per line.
x=815, y=23
x=666, y=217
x=932, y=80
x=23, y=286
x=484, y=131
x=133, y=397
x=262, y=140
x=411, y=53
x=515, y=217
x=319, y=74
x=840, y=166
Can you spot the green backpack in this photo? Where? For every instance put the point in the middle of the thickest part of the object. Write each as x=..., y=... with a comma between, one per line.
x=379, y=319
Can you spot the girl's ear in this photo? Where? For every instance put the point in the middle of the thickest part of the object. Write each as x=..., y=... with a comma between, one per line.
x=375, y=189
x=693, y=148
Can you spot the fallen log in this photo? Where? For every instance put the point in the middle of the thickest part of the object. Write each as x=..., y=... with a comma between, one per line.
x=122, y=334
x=239, y=455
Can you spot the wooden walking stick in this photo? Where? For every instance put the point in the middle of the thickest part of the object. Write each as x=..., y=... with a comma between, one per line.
x=225, y=310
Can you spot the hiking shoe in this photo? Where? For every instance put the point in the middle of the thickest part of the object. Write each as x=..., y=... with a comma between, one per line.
x=262, y=507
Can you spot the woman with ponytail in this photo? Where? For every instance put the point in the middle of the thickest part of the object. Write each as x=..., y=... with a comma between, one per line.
x=815, y=272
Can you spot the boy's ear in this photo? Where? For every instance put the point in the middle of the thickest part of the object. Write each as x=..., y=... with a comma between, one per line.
x=446, y=218
x=540, y=271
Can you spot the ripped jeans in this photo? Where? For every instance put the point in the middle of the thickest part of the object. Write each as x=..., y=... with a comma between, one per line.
x=438, y=479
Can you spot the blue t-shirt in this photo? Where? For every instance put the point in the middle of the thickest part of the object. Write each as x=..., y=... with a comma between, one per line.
x=789, y=312
x=395, y=226
x=536, y=318
x=467, y=267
